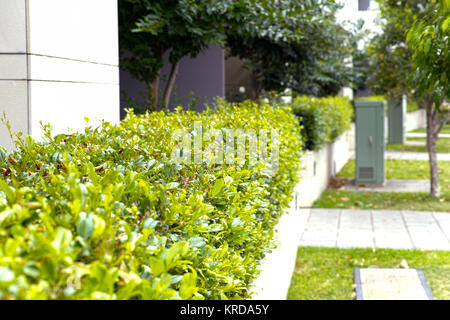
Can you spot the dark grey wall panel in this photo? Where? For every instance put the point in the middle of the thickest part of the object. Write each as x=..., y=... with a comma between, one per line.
x=363, y=5
x=203, y=77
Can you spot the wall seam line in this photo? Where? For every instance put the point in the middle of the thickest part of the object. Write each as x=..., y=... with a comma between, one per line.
x=56, y=57
x=61, y=81
x=27, y=48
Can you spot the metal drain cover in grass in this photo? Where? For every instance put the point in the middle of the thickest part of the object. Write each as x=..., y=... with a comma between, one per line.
x=391, y=284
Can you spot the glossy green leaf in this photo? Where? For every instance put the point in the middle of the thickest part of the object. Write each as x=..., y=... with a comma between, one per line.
x=157, y=266
x=62, y=239
x=85, y=226
x=6, y=275
x=188, y=286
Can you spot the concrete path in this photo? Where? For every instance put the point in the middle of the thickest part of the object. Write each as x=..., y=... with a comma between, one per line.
x=420, y=156
x=377, y=229
x=391, y=185
x=415, y=143
x=424, y=135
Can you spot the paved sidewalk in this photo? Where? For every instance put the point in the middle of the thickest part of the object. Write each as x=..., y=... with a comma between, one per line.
x=377, y=229
x=415, y=143
x=424, y=135
x=420, y=156
x=391, y=185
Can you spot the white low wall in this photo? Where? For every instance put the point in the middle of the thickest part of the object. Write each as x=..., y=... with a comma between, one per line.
x=318, y=167
x=416, y=120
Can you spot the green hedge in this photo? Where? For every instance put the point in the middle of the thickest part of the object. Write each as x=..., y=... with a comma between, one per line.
x=107, y=214
x=323, y=119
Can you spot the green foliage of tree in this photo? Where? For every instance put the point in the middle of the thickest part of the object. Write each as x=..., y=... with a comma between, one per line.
x=150, y=29
x=399, y=68
x=310, y=60
x=391, y=57
x=286, y=43
x=429, y=39
x=361, y=57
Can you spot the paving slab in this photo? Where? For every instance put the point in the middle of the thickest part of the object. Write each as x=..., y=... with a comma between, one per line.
x=410, y=143
x=347, y=239
x=391, y=185
x=391, y=284
x=384, y=221
x=443, y=220
x=318, y=243
x=395, y=229
x=418, y=156
x=424, y=135
x=416, y=143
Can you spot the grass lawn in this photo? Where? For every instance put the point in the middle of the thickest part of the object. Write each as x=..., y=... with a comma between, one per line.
x=327, y=273
x=442, y=146
x=445, y=129
x=395, y=169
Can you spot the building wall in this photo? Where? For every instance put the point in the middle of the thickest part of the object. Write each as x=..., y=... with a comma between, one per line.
x=58, y=64
x=202, y=77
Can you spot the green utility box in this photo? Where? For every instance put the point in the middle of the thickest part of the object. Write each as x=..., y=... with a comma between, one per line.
x=397, y=121
x=370, y=143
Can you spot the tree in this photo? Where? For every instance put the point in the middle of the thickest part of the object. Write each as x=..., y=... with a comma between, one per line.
x=360, y=56
x=311, y=59
x=394, y=63
x=150, y=29
x=391, y=62
x=288, y=43
x=429, y=40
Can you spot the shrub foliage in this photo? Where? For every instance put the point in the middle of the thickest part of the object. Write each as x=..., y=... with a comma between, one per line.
x=323, y=119
x=106, y=214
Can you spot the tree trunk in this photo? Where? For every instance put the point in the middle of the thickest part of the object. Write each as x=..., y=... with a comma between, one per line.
x=171, y=83
x=153, y=93
x=432, y=137
x=153, y=86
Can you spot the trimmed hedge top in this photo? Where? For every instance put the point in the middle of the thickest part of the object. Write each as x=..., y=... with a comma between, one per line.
x=107, y=214
x=323, y=119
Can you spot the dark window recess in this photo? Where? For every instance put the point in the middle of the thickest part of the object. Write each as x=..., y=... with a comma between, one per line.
x=363, y=5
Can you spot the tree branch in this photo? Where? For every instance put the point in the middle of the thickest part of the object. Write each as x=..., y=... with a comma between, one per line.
x=171, y=83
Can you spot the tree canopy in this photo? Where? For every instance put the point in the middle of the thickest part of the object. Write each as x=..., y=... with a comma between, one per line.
x=417, y=63
x=149, y=29
x=391, y=57
x=286, y=43
x=429, y=39
x=315, y=61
